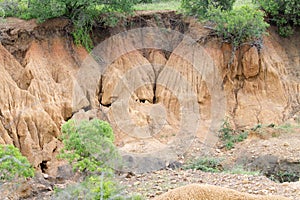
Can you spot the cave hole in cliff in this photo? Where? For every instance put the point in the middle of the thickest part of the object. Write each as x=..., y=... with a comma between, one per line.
x=277, y=169
x=284, y=171
x=43, y=166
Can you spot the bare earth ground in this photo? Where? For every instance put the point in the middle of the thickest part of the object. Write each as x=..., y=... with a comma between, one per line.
x=282, y=143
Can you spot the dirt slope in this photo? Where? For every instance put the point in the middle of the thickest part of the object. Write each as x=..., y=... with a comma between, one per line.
x=160, y=83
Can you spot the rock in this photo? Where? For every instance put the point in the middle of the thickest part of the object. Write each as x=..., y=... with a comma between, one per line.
x=45, y=176
x=64, y=172
x=286, y=144
x=136, y=183
x=175, y=165
x=130, y=174
x=160, y=181
x=250, y=63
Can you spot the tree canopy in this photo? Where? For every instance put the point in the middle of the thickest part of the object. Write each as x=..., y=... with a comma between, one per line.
x=285, y=14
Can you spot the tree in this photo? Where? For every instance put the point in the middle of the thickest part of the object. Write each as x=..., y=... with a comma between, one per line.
x=199, y=8
x=285, y=14
x=236, y=26
x=241, y=25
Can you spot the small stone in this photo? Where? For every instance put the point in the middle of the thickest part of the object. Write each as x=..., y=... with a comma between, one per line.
x=286, y=144
x=158, y=188
x=173, y=181
x=136, y=183
x=129, y=175
x=151, y=195
x=285, y=184
x=45, y=176
x=245, y=181
x=264, y=192
x=160, y=181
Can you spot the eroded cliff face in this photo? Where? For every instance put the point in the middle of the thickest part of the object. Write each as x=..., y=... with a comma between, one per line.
x=38, y=66
x=160, y=81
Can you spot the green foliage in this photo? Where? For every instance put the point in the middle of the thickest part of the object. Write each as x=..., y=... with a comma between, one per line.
x=82, y=13
x=229, y=136
x=94, y=188
x=214, y=165
x=239, y=3
x=13, y=164
x=281, y=176
x=199, y=8
x=241, y=25
x=239, y=169
x=205, y=164
x=285, y=14
x=88, y=145
x=159, y=5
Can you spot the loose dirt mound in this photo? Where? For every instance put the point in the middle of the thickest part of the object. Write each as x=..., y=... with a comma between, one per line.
x=209, y=192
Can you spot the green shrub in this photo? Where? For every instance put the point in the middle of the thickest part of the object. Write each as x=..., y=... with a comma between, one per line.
x=230, y=136
x=241, y=25
x=13, y=164
x=285, y=14
x=205, y=164
x=199, y=8
x=88, y=145
x=239, y=169
x=94, y=188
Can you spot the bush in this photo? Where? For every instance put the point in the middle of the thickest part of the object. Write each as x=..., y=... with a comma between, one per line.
x=206, y=164
x=229, y=136
x=88, y=145
x=285, y=14
x=241, y=25
x=94, y=188
x=13, y=164
x=199, y=8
